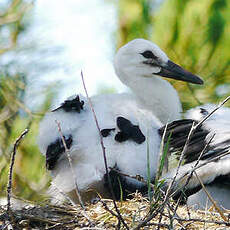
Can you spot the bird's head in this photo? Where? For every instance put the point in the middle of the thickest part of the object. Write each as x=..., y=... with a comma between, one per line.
x=143, y=58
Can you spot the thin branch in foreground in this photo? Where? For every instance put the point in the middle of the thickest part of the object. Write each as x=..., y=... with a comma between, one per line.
x=211, y=199
x=195, y=165
x=167, y=194
x=210, y=114
x=71, y=165
x=192, y=130
x=9, y=186
x=72, y=171
x=120, y=218
x=107, y=208
x=162, y=153
x=215, y=159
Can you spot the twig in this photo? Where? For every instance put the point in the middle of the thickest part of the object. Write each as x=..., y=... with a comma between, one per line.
x=159, y=221
x=181, y=158
x=210, y=114
x=9, y=186
x=153, y=214
x=120, y=218
x=70, y=163
x=159, y=172
x=175, y=214
x=196, y=164
x=192, y=130
x=215, y=159
x=211, y=199
x=73, y=174
x=107, y=208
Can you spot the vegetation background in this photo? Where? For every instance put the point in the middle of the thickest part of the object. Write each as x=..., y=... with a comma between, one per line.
x=195, y=34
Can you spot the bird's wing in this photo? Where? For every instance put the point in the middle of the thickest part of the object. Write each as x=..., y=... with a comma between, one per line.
x=187, y=182
x=212, y=140
x=209, y=140
x=177, y=132
x=61, y=122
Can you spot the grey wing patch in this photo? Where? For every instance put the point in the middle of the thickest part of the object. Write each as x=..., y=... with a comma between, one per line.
x=71, y=105
x=179, y=131
x=204, y=112
x=128, y=131
x=55, y=150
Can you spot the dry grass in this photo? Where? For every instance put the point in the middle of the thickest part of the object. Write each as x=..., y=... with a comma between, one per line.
x=133, y=211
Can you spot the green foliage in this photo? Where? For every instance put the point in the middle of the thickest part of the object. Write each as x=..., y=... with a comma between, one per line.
x=135, y=20
x=29, y=178
x=195, y=34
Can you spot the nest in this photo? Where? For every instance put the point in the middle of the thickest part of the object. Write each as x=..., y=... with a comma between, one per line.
x=136, y=213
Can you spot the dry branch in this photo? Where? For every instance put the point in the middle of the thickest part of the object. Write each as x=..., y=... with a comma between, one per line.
x=211, y=199
x=9, y=186
x=120, y=218
x=70, y=163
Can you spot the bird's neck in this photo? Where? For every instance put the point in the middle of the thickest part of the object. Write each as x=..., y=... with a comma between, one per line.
x=157, y=95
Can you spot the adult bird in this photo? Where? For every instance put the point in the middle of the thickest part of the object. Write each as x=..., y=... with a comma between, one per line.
x=208, y=150
x=129, y=125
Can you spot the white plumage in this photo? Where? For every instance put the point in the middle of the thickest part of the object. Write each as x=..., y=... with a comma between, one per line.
x=140, y=74
x=215, y=175
x=86, y=152
x=129, y=120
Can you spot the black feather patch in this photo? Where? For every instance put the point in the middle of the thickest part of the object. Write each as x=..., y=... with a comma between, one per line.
x=106, y=132
x=55, y=150
x=120, y=185
x=222, y=181
x=71, y=105
x=128, y=131
x=179, y=131
x=121, y=137
x=203, y=111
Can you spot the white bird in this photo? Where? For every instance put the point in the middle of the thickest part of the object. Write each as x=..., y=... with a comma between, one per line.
x=138, y=65
x=127, y=125
x=213, y=136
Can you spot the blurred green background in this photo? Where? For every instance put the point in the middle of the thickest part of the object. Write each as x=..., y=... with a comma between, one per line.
x=194, y=34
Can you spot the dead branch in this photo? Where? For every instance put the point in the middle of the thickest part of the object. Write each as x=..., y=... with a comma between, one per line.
x=9, y=186
x=211, y=199
x=120, y=218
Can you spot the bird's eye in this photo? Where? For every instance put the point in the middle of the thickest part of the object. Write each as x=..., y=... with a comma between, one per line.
x=148, y=54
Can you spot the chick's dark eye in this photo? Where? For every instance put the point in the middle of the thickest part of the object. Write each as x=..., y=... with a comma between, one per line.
x=148, y=54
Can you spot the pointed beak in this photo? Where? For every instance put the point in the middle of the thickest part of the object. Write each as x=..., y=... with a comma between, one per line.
x=174, y=71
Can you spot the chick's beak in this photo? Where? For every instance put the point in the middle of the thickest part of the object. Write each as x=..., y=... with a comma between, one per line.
x=174, y=71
